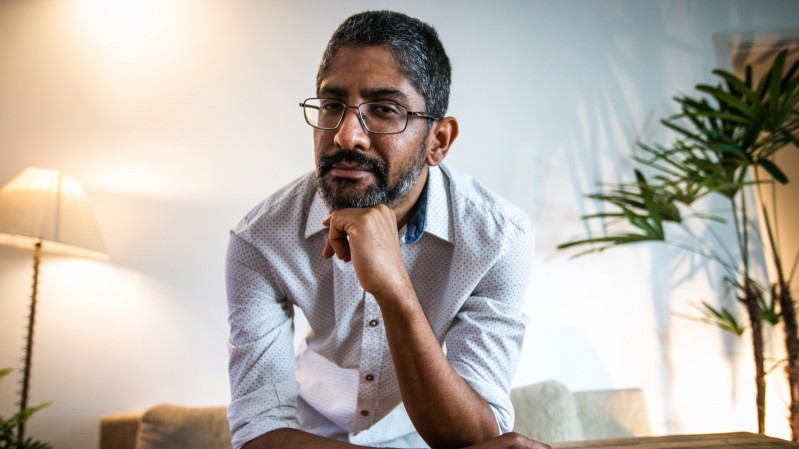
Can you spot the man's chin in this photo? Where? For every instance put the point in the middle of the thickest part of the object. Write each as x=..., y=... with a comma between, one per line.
x=346, y=187
x=342, y=193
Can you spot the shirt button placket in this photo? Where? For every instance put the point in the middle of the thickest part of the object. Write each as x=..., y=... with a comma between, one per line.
x=372, y=348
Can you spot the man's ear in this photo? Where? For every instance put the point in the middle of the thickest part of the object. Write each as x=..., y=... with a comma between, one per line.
x=442, y=135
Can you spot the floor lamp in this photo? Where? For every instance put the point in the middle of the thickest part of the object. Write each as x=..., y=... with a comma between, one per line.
x=46, y=211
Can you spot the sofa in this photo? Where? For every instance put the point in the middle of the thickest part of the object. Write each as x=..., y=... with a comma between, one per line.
x=550, y=412
x=546, y=411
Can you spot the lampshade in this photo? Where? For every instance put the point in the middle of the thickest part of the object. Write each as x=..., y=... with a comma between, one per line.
x=48, y=206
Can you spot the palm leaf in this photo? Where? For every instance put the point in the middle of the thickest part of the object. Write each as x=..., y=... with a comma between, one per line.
x=729, y=99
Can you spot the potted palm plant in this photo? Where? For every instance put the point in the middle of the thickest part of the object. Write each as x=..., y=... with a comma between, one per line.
x=727, y=139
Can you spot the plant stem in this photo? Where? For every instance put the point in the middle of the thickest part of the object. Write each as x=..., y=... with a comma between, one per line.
x=750, y=299
x=755, y=320
x=792, y=348
x=791, y=329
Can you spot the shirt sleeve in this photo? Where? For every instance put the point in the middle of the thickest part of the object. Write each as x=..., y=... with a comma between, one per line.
x=485, y=339
x=261, y=365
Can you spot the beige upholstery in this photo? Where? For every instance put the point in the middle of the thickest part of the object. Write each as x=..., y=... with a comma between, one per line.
x=549, y=412
x=167, y=427
x=120, y=430
x=546, y=411
x=612, y=413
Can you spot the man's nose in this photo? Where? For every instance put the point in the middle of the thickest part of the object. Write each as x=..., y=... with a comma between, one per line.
x=351, y=133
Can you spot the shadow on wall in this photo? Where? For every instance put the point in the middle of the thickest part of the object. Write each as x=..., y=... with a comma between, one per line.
x=562, y=343
x=616, y=100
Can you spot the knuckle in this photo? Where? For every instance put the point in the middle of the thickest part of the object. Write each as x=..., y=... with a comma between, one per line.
x=516, y=440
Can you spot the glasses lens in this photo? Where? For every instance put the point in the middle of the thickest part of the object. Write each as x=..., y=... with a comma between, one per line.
x=384, y=117
x=330, y=113
x=380, y=117
x=325, y=114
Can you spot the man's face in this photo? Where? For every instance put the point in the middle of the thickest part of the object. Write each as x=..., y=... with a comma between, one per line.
x=354, y=167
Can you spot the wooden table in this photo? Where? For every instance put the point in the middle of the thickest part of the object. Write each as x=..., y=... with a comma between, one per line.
x=705, y=441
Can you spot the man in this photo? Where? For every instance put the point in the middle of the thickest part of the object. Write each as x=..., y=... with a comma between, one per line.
x=411, y=276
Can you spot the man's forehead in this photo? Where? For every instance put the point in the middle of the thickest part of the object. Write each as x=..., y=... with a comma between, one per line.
x=369, y=72
x=333, y=90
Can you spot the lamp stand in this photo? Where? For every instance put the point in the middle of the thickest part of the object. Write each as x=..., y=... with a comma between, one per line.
x=26, y=373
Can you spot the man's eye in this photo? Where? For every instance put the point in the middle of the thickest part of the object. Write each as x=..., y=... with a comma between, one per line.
x=331, y=106
x=383, y=109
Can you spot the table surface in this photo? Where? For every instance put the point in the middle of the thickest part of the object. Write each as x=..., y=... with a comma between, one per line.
x=704, y=441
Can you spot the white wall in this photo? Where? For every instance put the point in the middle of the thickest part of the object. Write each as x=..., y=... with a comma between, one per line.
x=178, y=116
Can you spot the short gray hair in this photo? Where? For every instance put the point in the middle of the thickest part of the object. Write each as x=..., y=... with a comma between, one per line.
x=415, y=45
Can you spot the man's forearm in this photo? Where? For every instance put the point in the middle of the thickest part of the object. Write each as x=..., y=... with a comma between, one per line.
x=296, y=439
x=445, y=410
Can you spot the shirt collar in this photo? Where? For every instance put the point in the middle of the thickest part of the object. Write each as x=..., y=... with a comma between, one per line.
x=431, y=216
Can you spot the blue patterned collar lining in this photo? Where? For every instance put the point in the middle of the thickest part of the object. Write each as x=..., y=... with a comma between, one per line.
x=415, y=226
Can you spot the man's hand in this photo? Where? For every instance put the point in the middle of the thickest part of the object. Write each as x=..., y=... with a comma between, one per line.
x=368, y=238
x=511, y=440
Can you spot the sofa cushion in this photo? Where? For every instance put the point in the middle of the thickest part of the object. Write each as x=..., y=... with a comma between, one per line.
x=546, y=412
x=616, y=413
x=175, y=427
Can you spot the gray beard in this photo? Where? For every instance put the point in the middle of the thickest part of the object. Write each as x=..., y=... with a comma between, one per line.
x=337, y=193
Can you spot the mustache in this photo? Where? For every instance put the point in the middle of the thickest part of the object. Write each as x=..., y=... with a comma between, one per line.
x=376, y=166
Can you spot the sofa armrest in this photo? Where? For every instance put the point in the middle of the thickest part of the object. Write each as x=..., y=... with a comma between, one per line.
x=120, y=430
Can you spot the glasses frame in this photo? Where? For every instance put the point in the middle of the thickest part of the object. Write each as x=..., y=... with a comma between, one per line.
x=409, y=114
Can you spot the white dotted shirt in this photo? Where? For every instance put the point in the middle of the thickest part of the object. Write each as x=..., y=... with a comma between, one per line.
x=468, y=254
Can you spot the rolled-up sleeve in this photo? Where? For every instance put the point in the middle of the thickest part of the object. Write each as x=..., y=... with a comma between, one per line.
x=261, y=366
x=486, y=337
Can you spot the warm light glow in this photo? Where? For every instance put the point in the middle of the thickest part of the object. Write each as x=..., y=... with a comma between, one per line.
x=45, y=205
x=135, y=38
x=136, y=178
x=93, y=280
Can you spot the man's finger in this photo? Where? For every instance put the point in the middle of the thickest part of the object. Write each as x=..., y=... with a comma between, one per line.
x=338, y=246
x=336, y=243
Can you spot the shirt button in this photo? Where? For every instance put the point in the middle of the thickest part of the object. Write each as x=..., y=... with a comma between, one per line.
x=364, y=412
x=370, y=377
x=374, y=323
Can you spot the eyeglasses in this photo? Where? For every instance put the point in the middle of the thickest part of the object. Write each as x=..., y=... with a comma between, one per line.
x=377, y=117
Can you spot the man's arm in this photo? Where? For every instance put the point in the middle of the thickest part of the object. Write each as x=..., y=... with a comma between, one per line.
x=261, y=366
x=445, y=410
x=297, y=439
